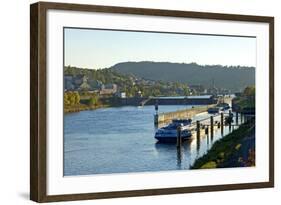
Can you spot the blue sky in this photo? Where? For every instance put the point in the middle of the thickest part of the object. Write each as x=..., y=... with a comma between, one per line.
x=90, y=48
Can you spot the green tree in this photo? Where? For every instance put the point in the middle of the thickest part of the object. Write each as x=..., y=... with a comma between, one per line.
x=77, y=98
x=186, y=90
x=249, y=91
x=72, y=98
x=66, y=101
x=94, y=100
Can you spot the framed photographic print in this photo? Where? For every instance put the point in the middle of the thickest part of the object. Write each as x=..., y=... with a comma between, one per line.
x=134, y=102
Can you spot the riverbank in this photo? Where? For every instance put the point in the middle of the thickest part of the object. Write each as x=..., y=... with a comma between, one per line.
x=82, y=107
x=237, y=149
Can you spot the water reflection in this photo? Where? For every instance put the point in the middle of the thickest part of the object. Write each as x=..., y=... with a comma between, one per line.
x=208, y=141
x=181, y=153
x=179, y=157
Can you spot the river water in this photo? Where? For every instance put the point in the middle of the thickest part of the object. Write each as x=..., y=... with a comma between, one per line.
x=121, y=140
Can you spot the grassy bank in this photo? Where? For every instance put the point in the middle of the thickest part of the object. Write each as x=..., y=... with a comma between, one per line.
x=237, y=149
x=81, y=107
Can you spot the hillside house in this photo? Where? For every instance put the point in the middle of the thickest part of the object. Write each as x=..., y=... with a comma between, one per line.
x=108, y=89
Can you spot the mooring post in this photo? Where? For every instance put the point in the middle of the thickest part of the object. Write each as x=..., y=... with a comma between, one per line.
x=212, y=126
x=222, y=122
x=198, y=129
x=156, y=120
x=230, y=119
x=156, y=106
x=179, y=136
x=197, y=135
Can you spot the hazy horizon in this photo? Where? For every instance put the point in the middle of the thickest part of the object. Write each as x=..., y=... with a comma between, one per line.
x=97, y=49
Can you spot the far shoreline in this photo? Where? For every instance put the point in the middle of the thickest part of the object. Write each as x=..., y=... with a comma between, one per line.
x=81, y=107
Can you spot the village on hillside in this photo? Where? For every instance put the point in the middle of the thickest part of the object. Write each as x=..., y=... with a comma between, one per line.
x=83, y=83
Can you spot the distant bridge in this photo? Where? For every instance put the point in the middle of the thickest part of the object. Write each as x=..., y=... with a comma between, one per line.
x=180, y=100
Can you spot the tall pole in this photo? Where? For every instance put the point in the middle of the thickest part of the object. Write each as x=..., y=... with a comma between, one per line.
x=222, y=123
x=198, y=135
x=198, y=129
x=156, y=120
x=179, y=137
x=230, y=119
x=156, y=106
x=212, y=126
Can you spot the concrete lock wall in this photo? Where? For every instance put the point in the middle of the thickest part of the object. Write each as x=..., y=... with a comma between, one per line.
x=185, y=113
